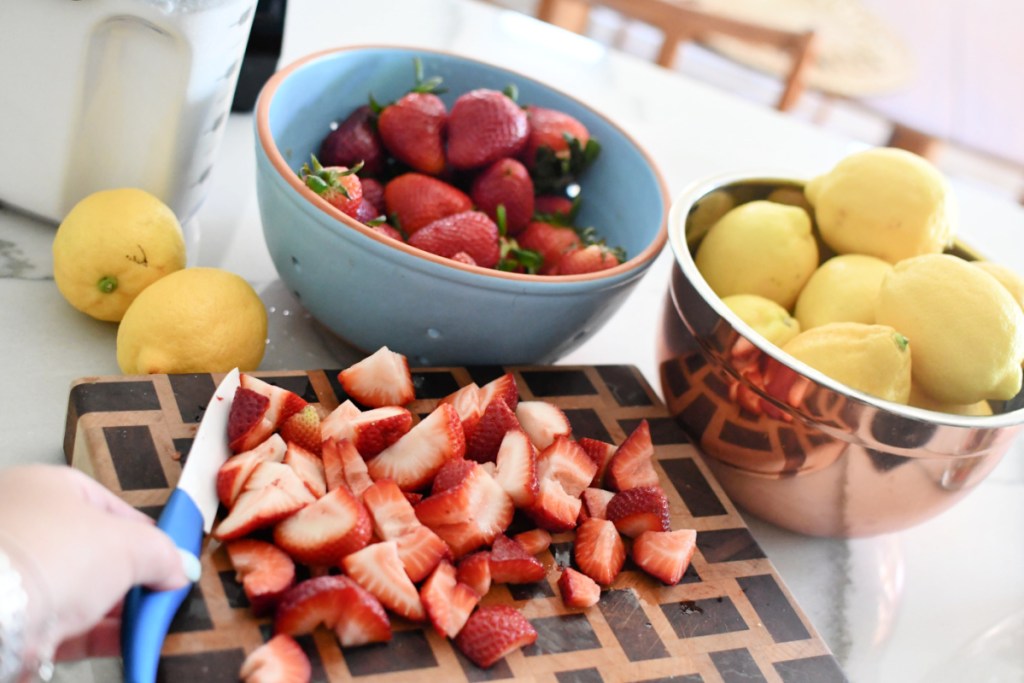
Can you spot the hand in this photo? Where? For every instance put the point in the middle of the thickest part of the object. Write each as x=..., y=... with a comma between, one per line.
x=86, y=548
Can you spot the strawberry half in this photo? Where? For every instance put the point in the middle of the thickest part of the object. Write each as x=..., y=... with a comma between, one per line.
x=266, y=572
x=271, y=493
x=600, y=452
x=599, y=550
x=380, y=379
x=394, y=519
x=565, y=461
x=283, y=403
x=338, y=603
x=470, y=514
x=235, y=471
x=633, y=462
x=483, y=443
x=578, y=590
x=542, y=421
x=451, y=474
x=640, y=509
x=516, y=468
x=343, y=466
x=370, y=431
x=308, y=466
x=510, y=563
x=303, y=428
x=595, y=502
x=474, y=570
x=378, y=569
x=472, y=232
x=483, y=126
x=247, y=423
x=412, y=129
x=324, y=532
x=413, y=460
x=492, y=632
x=553, y=509
x=279, y=660
x=447, y=602
x=665, y=555
x=534, y=541
x=414, y=200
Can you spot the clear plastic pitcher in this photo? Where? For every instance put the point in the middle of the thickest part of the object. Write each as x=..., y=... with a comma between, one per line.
x=115, y=93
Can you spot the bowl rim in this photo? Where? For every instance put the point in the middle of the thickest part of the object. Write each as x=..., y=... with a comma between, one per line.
x=684, y=260
x=266, y=141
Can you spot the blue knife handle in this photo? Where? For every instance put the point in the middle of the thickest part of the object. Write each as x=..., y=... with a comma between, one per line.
x=147, y=614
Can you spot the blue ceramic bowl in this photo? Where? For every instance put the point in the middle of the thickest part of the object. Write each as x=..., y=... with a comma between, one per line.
x=373, y=291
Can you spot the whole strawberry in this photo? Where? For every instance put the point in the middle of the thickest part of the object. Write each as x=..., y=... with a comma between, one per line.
x=552, y=129
x=412, y=129
x=506, y=183
x=355, y=140
x=415, y=199
x=472, y=232
x=555, y=208
x=338, y=185
x=484, y=126
x=589, y=259
x=550, y=241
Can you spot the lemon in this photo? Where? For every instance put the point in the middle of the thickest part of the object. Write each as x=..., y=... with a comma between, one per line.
x=842, y=289
x=966, y=328
x=794, y=196
x=919, y=399
x=770, y=320
x=874, y=359
x=1007, y=277
x=883, y=202
x=705, y=213
x=111, y=246
x=761, y=248
x=193, y=320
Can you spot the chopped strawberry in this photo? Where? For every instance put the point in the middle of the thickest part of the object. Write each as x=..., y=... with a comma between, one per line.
x=587, y=259
x=510, y=563
x=474, y=570
x=516, y=470
x=470, y=514
x=466, y=401
x=266, y=572
x=505, y=183
x=308, y=466
x=502, y=388
x=633, y=462
x=394, y=519
x=415, y=200
x=472, y=232
x=492, y=632
x=565, y=461
x=554, y=509
x=640, y=509
x=534, y=541
x=324, y=532
x=665, y=555
x=378, y=569
x=339, y=186
x=552, y=129
x=344, y=466
x=599, y=550
x=577, y=589
x=370, y=431
x=448, y=603
x=355, y=140
x=412, y=130
x=600, y=452
x=283, y=403
x=247, y=423
x=236, y=470
x=484, y=126
x=595, y=502
x=550, y=241
x=279, y=660
x=542, y=421
x=271, y=493
x=483, y=443
x=380, y=379
x=413, y=460
x=420, y=550
x=338, y=423
x=412, y=496
x=303, y=428
x=337, y=603
x=451, y=474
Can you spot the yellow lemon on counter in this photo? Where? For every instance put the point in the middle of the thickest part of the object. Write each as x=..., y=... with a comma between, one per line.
x=1007, y=277
x=770, y=320
x=919, y=399
x=193, y=320
x=874, y=359
x=762, y=248
x=111, y=246
x=842, y=289
x=966, y=328
x=883, y=202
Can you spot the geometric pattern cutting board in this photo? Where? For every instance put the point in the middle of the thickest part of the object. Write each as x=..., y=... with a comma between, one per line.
x=729, y=619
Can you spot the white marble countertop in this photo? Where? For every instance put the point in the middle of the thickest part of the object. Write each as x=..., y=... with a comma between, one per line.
x=897, y=608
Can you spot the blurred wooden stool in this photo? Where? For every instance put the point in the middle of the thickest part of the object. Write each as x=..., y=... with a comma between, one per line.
x=681, y=24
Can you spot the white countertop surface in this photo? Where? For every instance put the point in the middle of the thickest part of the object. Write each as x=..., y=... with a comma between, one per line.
x=897, y=608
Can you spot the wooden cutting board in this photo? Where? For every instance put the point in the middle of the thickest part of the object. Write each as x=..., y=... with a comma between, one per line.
x=729, y=619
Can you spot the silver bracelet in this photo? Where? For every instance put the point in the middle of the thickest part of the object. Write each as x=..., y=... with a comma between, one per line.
x=17, y=656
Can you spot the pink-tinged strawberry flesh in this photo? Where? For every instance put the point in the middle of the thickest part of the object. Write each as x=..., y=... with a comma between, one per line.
x=279, y=660
x=492, y=632
x=266, y=572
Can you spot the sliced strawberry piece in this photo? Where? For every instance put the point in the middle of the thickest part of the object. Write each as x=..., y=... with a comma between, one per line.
x=447, y=602
x=378, y=569
x=394, y=519
x=595, y=502
x=413, y=460
x=337, y=424
x=516, y=468
x=578, y=590
x=451, y=474
x=510, y=563
x=640, y=509
x=466, y=401
x=272, y=493
x=474, y=570
x=483, y=443
x=554, y=509
x=337, y=603
x=376, y=429
x=566, y=462
x=283, y=403
x=543, y=421
x=326, y=531
x=492, y=632
x=502, y=388
x=665, y=555
x=470, y=514
x=303, y=428
x=534, y=541
x=420, y=551
x=380, y=379
x=600, y=452
x=279, y=660
x=599, y=550
x=248, y=425
x=633, y=462
x=266, y=572
x=235, y=471
x=344, y=466
x=412, y=496
x=308, y=466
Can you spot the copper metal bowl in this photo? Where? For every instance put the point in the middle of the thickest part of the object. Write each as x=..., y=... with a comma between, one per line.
x=789, y=444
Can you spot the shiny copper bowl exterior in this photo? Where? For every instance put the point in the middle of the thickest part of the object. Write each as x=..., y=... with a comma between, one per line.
x=789, y=444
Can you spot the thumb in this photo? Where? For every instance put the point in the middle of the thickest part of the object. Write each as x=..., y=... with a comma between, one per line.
x=154, y=559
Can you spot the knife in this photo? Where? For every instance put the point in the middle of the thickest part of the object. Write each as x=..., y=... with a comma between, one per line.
x=186, y=518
